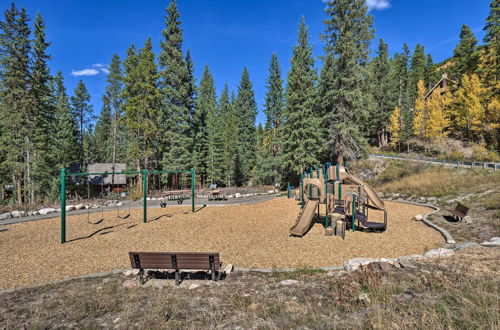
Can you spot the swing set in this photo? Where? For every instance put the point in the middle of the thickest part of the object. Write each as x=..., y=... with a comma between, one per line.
x=179, y=195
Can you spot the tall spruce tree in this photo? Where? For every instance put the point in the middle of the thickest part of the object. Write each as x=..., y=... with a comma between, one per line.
x=142, y=105
x=301, y=133
x=84, y=115
x=65, y=141
x=273, y=109
x=324, y=104
x=15, y=105
x=383, y=89
x=418, y=61
x=401, y=73
x=246, y=112
x=348, y=34
x=465, y=54
x=229, y=118
x=175, y=83
x=431, y=73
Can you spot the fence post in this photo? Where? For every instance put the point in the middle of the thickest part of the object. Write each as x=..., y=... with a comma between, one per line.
x=63, y=205
x=145, y=197
x=353, y=212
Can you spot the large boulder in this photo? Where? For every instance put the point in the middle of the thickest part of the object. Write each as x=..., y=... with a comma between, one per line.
x=352, y=264
x=432, y=200
x=237, y=195
x=80, y=207
x=18, y=214
x=439, y=253
x=5, y=216
x=70, y=208
x=47, y=210
x=418, y=217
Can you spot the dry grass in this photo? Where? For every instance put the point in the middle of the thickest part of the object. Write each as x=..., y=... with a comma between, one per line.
x=456, y=293
x=440, y=182
x=253, y=235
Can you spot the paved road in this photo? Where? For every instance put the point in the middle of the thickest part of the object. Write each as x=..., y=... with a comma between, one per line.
x=199, y=202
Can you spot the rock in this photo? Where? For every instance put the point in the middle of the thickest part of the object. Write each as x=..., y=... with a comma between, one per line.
x=228, y=269
x=329, y=231
x=47, y=210
x=404, y=196
x=128, y=272
x=237, y=195
x=94, y=206
x=135, y=271
x=407, y=264
x=466, y=245
x=439, y=253
x=289, y=282
x=493, y=242
x=395, y=196
x=352, y=264
x=5, y=216
x=70, y=208
x=57, y=210
x=230, y=196
x=80, y=207
x=466, y=219
x=116, y=320
x=411, y=257
x=418, y=217
x=119, y=204
x=18, y=214
x=422, y=200
x=385, y=266
x=148, y=198
x=380, y=194
x=193, y=286
x=270, y=191
x=35, y=213
x=129, y=284
x=432, y=200
x=363, y=297
x=253, y=306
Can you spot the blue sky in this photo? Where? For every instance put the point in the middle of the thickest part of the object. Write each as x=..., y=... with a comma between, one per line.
x=228, y=35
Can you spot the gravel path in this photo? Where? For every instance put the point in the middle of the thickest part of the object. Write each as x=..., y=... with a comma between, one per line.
x=250, y=235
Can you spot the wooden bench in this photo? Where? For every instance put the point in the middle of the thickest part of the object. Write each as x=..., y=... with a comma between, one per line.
x=207, y=261
x=460, y=211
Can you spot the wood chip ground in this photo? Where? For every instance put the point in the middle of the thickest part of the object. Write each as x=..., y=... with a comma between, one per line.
x=253, y=235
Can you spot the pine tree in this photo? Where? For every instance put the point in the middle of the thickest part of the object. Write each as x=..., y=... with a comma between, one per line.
x=208, y=154
x=246, y=112
x=82, y=111
x=112, y=95
x=384, y=93
x=465, y=54
x=431, y=73
x=15, y=105
x=470, y=113
x=418, y=64
x=228, y=114
x=65, y=141
x=419, y=115
x=395, y=127
x=401, y=74
x=103, y=134
x=191, y=93
x=324, y=104
x=301, y=131
x=273, y=109
x=348, y=35
x=175, y=85
x=142, y=104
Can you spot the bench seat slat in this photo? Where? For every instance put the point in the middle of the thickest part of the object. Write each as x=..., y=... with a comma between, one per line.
x=185, y=260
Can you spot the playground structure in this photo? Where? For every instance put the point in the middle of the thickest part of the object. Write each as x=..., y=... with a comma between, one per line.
x=347, y=200
x=177, y=195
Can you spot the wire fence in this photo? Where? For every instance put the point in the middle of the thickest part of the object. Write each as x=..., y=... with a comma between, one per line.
x=443, y=162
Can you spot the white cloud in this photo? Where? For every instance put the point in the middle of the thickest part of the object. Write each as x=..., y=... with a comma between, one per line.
x=377, y=4
x=93, y=71
x=85, y=72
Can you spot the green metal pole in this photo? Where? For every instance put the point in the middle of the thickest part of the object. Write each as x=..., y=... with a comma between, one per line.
x=302, y=189
x=353, y=211
x=63, y=206
x=325, y=174
x=192, y=188
x=145, y=197
x=288, y=190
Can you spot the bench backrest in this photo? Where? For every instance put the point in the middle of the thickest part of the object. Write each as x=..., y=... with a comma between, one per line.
x=166, y=260
x=462, y=208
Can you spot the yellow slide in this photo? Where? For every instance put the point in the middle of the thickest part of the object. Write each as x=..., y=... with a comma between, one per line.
x=300, y=228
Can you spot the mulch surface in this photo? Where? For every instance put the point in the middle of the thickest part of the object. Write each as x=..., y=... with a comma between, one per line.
x=254, y=235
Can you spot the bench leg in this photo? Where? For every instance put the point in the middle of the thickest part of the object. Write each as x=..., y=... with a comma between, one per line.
x=177, y=277
x=141, y=276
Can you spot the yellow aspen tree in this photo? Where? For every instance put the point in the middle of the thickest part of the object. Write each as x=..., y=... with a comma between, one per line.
x=470, y=112
x=437, y=116
x=395, y=126
x=419, y=110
